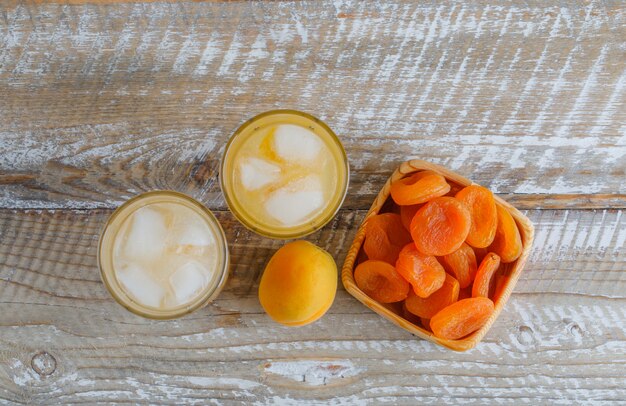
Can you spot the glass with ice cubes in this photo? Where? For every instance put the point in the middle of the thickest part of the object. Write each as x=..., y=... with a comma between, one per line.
x=284, y=174
x=163, y=254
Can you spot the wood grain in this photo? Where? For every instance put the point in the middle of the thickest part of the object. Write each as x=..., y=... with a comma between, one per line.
x=561, y=338
x=100, y=102
x=103, y=100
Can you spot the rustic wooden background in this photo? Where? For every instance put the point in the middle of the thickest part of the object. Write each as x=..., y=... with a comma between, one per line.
x=101, y=101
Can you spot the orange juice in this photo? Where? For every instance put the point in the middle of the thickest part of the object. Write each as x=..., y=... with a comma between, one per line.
x=284, y=174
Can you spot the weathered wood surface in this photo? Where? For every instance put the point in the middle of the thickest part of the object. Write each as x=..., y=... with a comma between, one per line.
x=101, y=101
x=560, y=339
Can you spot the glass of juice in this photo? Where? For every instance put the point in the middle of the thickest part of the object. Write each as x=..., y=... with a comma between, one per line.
x=162, y=255
x=284, y=174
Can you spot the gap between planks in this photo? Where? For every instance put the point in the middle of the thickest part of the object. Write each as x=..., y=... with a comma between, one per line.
x=362, y=202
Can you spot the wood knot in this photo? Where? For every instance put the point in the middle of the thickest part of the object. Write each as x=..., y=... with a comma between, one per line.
x=573, y=328
x=202, y=172
x=526, y=335
x=43, y=363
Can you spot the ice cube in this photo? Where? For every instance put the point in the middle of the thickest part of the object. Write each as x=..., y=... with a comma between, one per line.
x=256, y=173
x=293, y=203
x=141, y=285
x=293, y=143
x=192, y=230
x=147, y=235
x=187, y=280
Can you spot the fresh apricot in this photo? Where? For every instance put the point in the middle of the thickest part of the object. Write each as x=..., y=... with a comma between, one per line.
x=462, y=264
x=299, y=283
x=423, y=272
x=407, y=213
x=419, y=188
x=507, y=242
x=485, y=273
x=462, y=318
x=440, y=227
x=442, y=297
x=384, y=237
x=482, y=208
x=380, y=281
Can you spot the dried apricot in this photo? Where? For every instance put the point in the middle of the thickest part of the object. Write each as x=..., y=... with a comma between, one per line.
x=482, y=208
x=440, y=227
x=462, y=264
x=462, y=318
x=485, y=273
x=389, y=207
x=480, y=254
x=408, y=315
x=428, y=307
x=500, y=284
x=507, y=242
x=380, y=281
x=423, y=272
x=407, y=213
x=454, y=189
x=465, y=293
x=361, y=257
x=384, y=237
x=419, y=188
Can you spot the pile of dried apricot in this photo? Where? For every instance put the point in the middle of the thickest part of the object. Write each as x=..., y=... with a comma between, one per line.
x=441, y=250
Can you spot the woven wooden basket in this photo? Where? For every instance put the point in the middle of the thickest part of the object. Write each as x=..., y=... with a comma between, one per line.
x=393, y=312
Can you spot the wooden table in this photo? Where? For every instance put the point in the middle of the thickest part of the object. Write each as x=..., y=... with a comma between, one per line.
x=99, y=102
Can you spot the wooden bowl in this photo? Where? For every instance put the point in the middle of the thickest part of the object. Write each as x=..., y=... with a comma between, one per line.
x=393, y=311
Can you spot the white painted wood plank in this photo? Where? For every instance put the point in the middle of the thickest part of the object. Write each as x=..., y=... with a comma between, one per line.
x=102, y=101
x=561, y=338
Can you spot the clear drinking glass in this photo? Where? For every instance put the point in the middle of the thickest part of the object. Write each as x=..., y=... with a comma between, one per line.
x=111, y=232
x=252, y=136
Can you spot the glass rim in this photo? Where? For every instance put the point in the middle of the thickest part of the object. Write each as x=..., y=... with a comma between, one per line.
x=322, y=221
x=155, y=314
